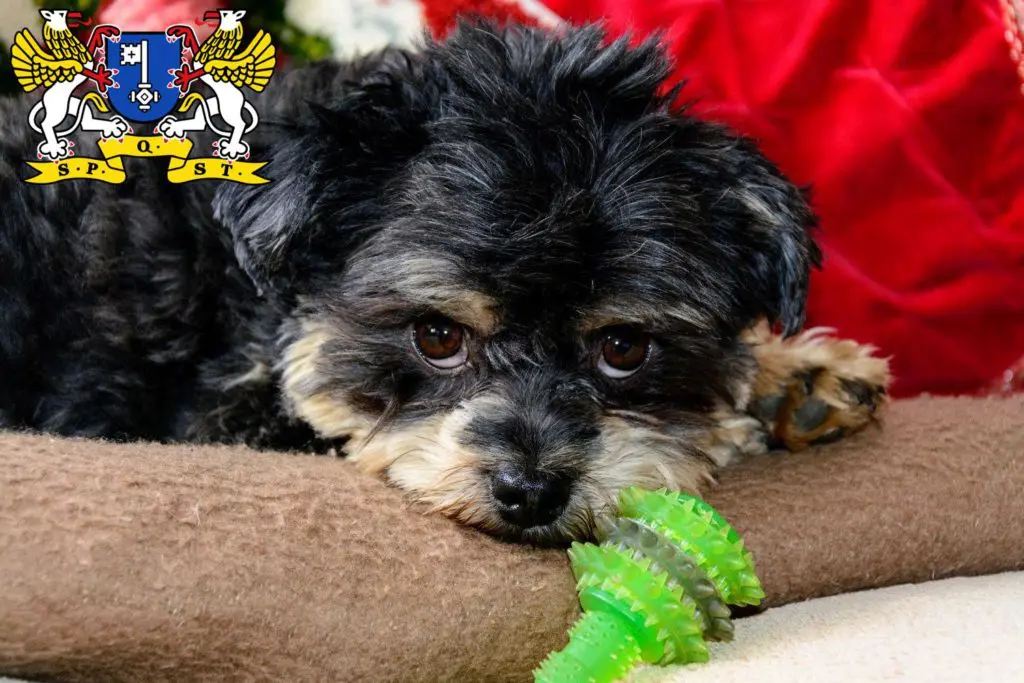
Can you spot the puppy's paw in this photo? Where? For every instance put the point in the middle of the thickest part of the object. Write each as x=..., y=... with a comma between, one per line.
x=735, y=435
x=814, y=388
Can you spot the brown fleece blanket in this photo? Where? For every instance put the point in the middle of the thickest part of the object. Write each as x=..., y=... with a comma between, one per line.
x=153, y=563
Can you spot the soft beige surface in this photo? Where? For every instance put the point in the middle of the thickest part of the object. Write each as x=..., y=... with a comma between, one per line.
x=962, y=630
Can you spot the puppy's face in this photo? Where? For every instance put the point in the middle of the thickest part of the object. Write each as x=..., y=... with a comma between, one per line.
x=529, y=295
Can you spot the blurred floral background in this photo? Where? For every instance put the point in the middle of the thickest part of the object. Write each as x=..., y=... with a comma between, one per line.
x=303, y=29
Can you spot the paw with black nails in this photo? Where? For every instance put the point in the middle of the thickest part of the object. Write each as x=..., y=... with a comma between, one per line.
x=815, y=389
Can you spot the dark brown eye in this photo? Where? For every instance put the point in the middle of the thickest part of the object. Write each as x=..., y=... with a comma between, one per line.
x=441, y=342
x=623, y=351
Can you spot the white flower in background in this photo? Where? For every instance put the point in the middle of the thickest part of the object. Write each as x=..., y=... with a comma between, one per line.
x=356, y=27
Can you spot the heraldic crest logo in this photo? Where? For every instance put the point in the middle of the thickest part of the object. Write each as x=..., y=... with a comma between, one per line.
x=118, y=80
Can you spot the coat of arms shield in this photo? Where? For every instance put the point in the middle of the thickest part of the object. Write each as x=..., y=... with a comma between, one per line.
x=144, y=85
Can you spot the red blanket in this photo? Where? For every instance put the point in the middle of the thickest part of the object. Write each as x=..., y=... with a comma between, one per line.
x=907, y=120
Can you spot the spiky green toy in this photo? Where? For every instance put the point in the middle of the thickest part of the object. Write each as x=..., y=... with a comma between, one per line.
x=655, y=590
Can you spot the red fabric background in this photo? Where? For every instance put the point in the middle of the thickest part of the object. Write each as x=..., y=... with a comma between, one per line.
x=907, y=120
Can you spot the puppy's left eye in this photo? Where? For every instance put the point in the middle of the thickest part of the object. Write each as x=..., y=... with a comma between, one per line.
x=624, y=350
x=441, y=342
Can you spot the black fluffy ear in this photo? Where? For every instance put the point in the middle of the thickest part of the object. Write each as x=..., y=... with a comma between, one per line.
x=265, y=219
x=328, y=166
x=784, y=267
x=779, y=236
x=759, y=223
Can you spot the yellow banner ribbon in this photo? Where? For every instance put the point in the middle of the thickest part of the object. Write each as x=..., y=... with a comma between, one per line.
x=180, y=169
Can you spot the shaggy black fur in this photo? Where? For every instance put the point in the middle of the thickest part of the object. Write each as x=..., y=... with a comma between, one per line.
x=552, y=176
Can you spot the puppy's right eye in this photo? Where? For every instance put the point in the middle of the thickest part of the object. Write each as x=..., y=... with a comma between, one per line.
x=441, y=342
x=624, y=350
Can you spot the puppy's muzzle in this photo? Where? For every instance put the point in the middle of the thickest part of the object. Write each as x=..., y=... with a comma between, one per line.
x=534, y=432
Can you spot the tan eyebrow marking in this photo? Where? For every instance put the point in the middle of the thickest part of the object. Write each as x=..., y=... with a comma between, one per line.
x=627, y=312
x=475, y=309
x=434, y=282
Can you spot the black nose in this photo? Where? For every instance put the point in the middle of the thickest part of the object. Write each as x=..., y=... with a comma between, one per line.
x=529, y=499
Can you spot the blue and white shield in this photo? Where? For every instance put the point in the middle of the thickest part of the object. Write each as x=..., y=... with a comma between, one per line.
x=145, y=89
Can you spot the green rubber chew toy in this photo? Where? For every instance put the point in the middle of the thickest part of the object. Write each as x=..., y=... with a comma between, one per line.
x=655, y=590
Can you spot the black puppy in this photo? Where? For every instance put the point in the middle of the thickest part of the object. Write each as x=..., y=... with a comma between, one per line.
x=505, y=270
